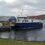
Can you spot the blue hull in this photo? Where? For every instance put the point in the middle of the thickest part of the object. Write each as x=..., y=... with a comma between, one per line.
x=32, y=25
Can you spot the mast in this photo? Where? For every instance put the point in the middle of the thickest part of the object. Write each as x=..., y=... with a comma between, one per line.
x=22, y=12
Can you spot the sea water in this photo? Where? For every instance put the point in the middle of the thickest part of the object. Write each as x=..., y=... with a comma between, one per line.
x=33, y=35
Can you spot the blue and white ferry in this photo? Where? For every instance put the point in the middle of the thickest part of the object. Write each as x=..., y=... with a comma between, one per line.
x=25, y=23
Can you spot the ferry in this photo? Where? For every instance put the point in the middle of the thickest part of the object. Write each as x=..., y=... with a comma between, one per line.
x=25, y=23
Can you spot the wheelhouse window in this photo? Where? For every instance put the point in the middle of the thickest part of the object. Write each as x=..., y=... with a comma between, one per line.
x=25, y=21
x=18, y=20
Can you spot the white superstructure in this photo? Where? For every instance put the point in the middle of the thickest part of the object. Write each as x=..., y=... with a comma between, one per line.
x=26, y=20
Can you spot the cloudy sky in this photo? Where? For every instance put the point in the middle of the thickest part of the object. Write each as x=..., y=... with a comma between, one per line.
x=27, y=7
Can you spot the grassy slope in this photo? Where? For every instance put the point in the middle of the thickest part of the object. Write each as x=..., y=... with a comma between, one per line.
x=13, y=42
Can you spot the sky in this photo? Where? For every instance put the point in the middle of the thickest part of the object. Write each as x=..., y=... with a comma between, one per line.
x=22, y=7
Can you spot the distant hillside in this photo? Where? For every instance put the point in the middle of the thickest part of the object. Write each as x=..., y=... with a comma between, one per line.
x=42, y=17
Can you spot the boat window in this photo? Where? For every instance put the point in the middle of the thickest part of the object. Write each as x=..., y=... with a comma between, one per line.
x=25, y=21
x=18, y=20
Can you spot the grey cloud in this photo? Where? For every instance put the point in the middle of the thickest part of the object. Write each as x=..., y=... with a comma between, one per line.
x=5, y=8
x=40, y=5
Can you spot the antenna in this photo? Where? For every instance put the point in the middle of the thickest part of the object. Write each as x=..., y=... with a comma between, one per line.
x=22, y=12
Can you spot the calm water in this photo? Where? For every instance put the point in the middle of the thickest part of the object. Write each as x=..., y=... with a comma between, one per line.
x=38, y=35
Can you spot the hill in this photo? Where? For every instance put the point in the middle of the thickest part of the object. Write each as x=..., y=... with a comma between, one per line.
x=42, y=17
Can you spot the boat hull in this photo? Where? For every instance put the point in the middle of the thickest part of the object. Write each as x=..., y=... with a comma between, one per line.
x=28, y=26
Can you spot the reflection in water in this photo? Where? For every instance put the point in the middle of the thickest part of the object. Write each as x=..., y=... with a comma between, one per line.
x=34, y=35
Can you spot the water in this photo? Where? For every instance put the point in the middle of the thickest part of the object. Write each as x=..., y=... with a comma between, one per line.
x=37, y=35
